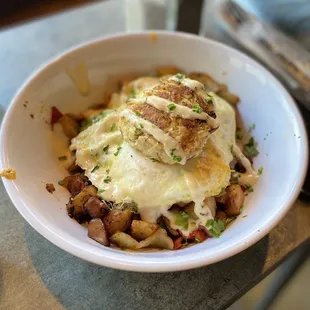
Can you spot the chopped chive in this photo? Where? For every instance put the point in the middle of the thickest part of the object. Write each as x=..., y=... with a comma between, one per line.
x=215, y=227
x=118, y=150
x=112, y=128
x=95, y=168
x=197, y=240
x=61, y=182
x=175, y=157
x=100, y=191
x=260, y=170
x=141, y=125
x=249, y=188
x=171, y=106
x=107, y=171
x=108, y=179
x=250, y=149
x=154, y=160
x=209, y=99
x=106, y=149
x=182, y=219
x=62, y=158
x=180, y=76
x=196, y=108
x=138, y=113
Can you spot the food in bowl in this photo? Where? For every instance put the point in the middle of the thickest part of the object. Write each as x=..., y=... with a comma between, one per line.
x=162, y=165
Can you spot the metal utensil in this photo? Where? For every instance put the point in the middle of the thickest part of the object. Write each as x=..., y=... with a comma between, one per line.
x=280, y=53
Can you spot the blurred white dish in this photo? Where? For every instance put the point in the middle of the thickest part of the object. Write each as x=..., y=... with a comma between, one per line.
x=26, y=146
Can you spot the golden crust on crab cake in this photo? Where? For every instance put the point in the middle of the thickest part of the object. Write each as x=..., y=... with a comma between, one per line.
x=171, y=121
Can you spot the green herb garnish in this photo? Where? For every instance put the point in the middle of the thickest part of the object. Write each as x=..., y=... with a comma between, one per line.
x=106, y=149
x=171, y=106
x=61, y=182
x=138, y=113
x=215, y=227
x=209, y=99
x=62, y=158
x=154, y=160
x=100, y=191
x=132, y=94
x=249, y=188
x=95, y=168
x=250, y=149
x=182, y=219
x=112, y=128
x=260, y=170
x=180, y=76
x=175, y=157
x=118, y=150
x=196, y=108
x=108, y=179
x=197, y=240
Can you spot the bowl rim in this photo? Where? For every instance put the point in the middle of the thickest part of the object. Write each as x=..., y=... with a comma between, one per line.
x=162, y=266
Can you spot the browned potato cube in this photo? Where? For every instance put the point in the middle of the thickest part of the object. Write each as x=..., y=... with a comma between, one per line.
x=117, y=221
x=141, y=230
x=235, y=199
x=97, y=232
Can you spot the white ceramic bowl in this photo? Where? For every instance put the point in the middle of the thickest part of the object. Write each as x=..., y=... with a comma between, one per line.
x=26, y=147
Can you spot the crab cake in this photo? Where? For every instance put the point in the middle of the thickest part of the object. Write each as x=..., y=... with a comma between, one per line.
x=171, y=121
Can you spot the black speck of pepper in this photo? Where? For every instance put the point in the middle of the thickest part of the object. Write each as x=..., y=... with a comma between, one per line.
x=25, y=105
x=32, y=116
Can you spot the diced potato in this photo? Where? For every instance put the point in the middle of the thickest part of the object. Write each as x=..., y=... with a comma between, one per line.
x=97, y=232
x=79, y=200
x=69, y=125
x=141, y=230
x=124, y=241
x=235, y=199
x=95, y=207
x=158, y=240
x=117, y=221
x=74, y=183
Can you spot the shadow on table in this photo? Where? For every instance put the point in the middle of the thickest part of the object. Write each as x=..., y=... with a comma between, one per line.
x=81, y=285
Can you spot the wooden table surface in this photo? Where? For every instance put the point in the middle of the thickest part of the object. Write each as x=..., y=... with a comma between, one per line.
x=35, y=274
